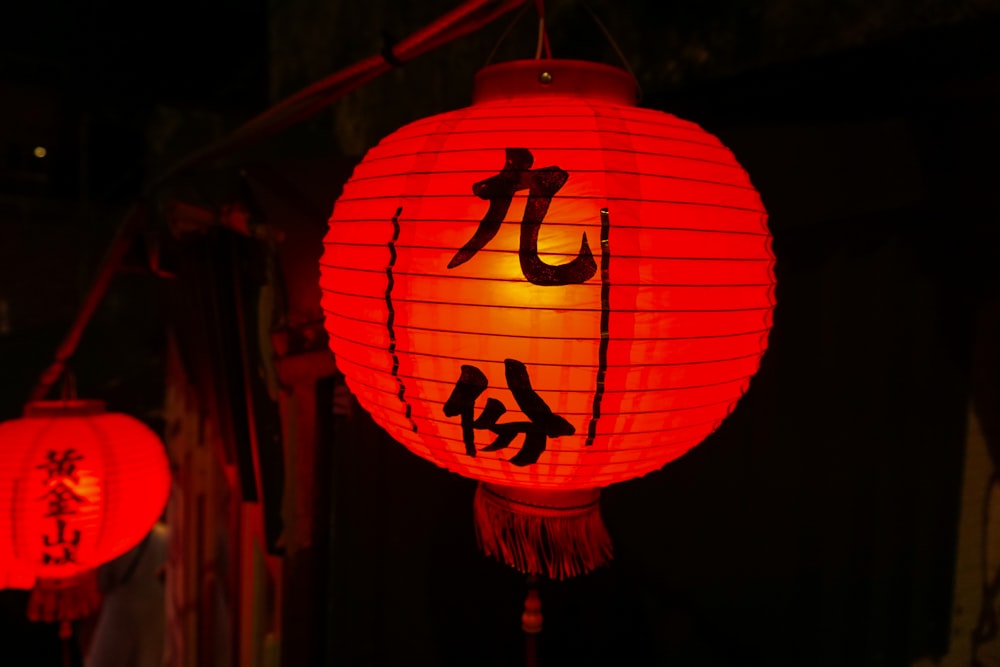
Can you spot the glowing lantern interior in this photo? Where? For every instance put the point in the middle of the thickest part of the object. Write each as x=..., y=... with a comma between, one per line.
x=78, y=487
x=615, y=260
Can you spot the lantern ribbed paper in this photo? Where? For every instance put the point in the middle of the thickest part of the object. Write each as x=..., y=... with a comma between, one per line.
x=551, y=289
x=78, y=487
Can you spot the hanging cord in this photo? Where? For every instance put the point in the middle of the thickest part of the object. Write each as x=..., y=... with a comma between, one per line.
x=461, y=21
x=505, y=33
x=614, y=45
x=543, y=34
x=531, y=622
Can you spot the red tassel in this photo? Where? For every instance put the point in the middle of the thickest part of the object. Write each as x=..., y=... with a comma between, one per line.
x=557, y=534
x=66, y=599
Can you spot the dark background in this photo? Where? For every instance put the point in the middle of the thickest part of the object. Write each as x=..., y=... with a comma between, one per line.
x=816, y=527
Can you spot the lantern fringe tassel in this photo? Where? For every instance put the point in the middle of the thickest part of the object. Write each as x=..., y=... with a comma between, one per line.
x=557, y=534
x=63, y=600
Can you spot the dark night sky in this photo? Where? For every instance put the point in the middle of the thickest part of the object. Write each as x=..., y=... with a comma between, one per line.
x=110, y=63
x=114, y=51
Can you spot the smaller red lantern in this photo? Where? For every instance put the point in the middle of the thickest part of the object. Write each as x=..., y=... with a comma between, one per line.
x=78, y=487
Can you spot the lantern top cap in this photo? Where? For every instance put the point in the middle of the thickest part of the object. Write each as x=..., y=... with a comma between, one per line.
x=554, y=78
x=76, y=407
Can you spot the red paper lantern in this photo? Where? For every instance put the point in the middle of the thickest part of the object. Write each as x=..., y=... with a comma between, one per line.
x=549, y=291
x=78, y=487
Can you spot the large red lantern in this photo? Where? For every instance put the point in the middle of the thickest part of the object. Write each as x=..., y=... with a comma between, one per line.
x=549, y=291
x=78, y=487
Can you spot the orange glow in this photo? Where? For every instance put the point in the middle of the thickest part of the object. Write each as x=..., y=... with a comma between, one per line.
x=679, y=277
x=78, y=487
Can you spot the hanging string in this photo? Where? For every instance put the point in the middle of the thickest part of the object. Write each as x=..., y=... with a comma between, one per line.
x=505, y=33
x=531, y=622
x=543, y=34
x=614, y=45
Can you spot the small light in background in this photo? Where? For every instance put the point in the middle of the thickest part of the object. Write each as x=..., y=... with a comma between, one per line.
x=40, y=151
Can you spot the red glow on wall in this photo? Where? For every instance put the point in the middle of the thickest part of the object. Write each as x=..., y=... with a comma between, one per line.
x=78, y=487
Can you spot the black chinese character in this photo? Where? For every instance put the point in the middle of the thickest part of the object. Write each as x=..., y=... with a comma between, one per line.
x=60, y=499
x=62, y=557
x=541, y=185
x=60, y=537
x=542, y=424
x=60, y=465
